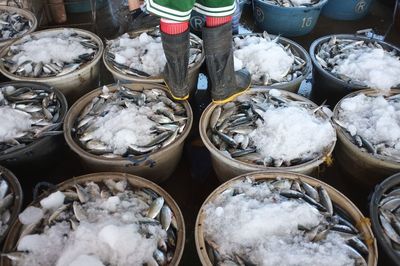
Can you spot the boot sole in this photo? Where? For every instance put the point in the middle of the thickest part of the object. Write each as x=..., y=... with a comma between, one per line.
x=184, y=98
x=230, y=98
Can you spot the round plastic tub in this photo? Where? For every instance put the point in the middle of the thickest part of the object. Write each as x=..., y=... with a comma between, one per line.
x=325, y=84
x=38, y=153
x=156, y=166
x=338, y=199
x=384, y=243
x=74, y=84
x=23, y=12
x=287, y=21
x=365, y=168
x=135, y=181
x=227, y=168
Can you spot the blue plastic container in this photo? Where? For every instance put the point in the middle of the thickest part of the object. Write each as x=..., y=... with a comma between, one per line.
x=346, y=9
x=287, y=21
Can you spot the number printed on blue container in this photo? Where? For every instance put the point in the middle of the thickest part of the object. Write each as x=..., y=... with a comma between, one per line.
x=306, y=22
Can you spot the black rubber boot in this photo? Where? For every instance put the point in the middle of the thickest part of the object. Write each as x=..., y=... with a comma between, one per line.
x=137, y=20
x=176, y=49
x=226, y=84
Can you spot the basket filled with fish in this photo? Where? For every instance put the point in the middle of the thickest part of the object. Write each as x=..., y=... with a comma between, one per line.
x=31, y=117
x=368, y=129
x=385, y=218
x=344, y=63
x=287, y=17
x=65, y=58
x=138, y=57
x=134, y=128
x=98, y=219
x=267, y=129
x=15, y=23
x=285, y=219
x=10, y=201
x=272, y=60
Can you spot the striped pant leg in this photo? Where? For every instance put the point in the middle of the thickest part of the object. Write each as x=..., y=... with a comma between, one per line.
x=215, y=8
x=177, y=10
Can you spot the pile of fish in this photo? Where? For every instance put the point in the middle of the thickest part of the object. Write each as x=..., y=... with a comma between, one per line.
x=292, y=3
x=26, y=115
x=268, y=60
x=143, y=55
x=13, y=25
x=361, y=63
x=242, y=129
x=6, y=201
x=50, y=54
x=281, y=222
x=109, y=222
x=389, y=216
x=129, y=123
x=372, y=124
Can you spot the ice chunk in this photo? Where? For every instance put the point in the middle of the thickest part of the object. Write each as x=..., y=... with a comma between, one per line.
x=119, y=128
x=13, y=123
x=262, y=58
x=53, y=201
x=371, y=66
x=292, y=132
x=373, y=118
x=31, y=215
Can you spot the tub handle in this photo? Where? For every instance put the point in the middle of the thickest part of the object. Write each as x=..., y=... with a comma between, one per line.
x=42, y=186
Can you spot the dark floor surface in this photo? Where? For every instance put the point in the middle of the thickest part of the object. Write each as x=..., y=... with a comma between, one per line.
x=194, y=178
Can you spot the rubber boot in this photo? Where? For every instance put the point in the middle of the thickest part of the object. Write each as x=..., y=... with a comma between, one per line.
x=176, y=49
x=226, y=84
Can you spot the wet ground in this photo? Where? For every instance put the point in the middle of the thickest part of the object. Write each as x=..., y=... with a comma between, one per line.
x=194, y=178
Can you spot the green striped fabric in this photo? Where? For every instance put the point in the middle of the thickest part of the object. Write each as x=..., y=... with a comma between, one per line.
x=179, y=10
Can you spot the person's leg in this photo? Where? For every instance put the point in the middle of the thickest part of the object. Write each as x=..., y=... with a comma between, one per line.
x=175, y=40
x=137, y=19
x=174, y=27
x=226, y=84
x=133, y=4
x=176, y=10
